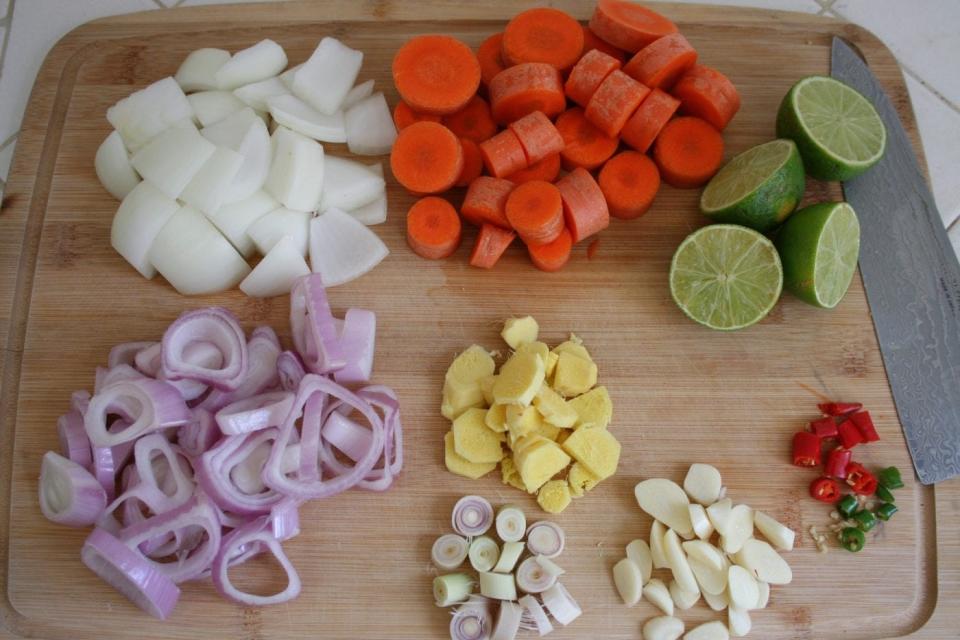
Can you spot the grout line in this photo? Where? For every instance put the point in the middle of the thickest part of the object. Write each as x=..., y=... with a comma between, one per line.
x=159, y=4
x=6, y=40
x=11, y=138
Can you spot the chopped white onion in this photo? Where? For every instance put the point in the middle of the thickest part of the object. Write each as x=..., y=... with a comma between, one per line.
x=259, y=62
x=561, y=604
x=205, y=191
x=293, y=113
x=146, y=113
x=348, y=184
x=327, y=76
x=358, y=93
x=230, y=131
x=373, y=213
x=296, y=173
x=276, y=273
x=173, y=158
x=269, y=228
x=69, y=494
x=370, y=127
x=449, y=551
x=141, y=216
x=210, y=107
x=342, y=248
x=287, y=76
x=198, y=70
x=246, y=134
x=256, y=94
x=233, y=219
x=112, y=164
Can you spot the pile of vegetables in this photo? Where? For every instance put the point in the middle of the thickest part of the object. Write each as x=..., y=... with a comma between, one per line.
x=501, y=572
x=735, y=573
x=197, y=203
x=194, y=454
x=541, y=418
x=558, y=94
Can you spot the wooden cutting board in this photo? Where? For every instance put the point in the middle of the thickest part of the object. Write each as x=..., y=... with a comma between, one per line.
x=682, y=393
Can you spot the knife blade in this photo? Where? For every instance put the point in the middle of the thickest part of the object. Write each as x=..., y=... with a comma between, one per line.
x=912, y=280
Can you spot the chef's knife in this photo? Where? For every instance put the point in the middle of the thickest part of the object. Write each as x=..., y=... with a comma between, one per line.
x=912, y=279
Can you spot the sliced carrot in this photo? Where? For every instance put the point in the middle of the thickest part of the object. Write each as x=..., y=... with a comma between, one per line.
x=614, y=102
x=473, y=122
x=538, y=136
x=586, y=75
x=404, y=116
x=629, y=182
x=547, y=169
x=688, y=152
x=433, y=228
x=503, y=154
x=525, y=88
x=491, y=62
x=486, y=202
x=707, y=94
x=553, y=255
x=542, y=35
x=426, y=158
x=661, y=63
x=535, y=211
x=592, y=41
x=583, y=144
x=472, y=163
x=628, y=25
x=436, y=74
x=592, y=248
x=650, y=117
x=491, y=242
x=584, y=208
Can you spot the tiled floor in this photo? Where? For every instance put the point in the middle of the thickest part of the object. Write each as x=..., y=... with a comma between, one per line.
x=924, y=35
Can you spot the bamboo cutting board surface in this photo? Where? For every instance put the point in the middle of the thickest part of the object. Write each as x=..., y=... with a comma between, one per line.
x=681, y=393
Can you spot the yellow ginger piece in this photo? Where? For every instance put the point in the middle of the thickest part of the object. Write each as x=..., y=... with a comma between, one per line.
x=574, y=375
x=547, y=430
x=554, y=496
x=554, y=408
x=461, y=385
x=596, y=449
x=473, y=441
x=460, y=466
x=509, y=474
x=538, y=461
x=539, y=348
x=518, y=331
x=551, y=364
x=519, y=379
x=580, y=480
x=573, y=346
x=457, y=398
x=496, y=418
x=486, y=388
x=522, y=421
x=594, y=408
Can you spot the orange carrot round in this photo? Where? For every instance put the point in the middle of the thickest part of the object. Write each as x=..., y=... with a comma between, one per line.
x=587, y=75
x=592, y=41
x=491, y=62
x=628, y=25
x=433, y=228
x=583, y=144
x=707, y=94
x=426, y=158
x=404, y=116
x=629, y=182
x=551, y=256
x=614, y=102
x=491, y=242
x=547, y=170
x=436, y=74
x=542, y=35
x=661, y=63
x=503, y=154
x=538, y=136
x=688, y=152
x=650, y=117
x=472, y=163
x=535, y=211
x=525, y=88
x=473, y=122
x=584, y=208
x=486, y=202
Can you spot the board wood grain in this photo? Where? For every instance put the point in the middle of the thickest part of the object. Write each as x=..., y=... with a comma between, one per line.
x=682, y=393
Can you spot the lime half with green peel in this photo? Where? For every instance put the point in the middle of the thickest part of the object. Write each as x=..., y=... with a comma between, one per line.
x=726, y=276
x=839, y=133
x=819, y=246
x=759, y=188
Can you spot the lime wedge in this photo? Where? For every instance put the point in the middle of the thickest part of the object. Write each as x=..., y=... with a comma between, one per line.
x=839, y=133
x=726, y=276
x=819, y=246
x=759, y=188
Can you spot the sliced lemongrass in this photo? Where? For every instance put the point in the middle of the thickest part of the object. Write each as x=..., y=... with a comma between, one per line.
x=532, y=577
x=550, y=566
x=545, y=538
x=210, y=107
x=198, y=70
x=499, y=586
x=537, y=615
x=511, y=524
x=472, y=516
x=112, y=164
x=508, y=621
x=449, y=551
x=484, y=553
x=508, y=557
x=472, y=621
x=561, y=604
x=452, y=588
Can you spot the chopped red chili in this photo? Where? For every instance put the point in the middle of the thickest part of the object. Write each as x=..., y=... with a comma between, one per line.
x=824, y=428
x=839, y=409
x=806, y=449
x=837, y=461
x=850, y=436
x=861, y=480
x=864, y=424
x=825, y=490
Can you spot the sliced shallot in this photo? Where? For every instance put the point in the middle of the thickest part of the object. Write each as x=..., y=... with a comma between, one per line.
x=532, y=578
x=561, y=604
x=158, y=405
x=471, y=622
x=545, y=538
x=472, y=516
x=68, y=493
x=291, y=370
x=483, y=553
x=255, y=532
x=511, y=524
x=312, y=324
x=537, y=616
x=449, y=551
x=255, y=413
x=74, y=443
x=216, y=326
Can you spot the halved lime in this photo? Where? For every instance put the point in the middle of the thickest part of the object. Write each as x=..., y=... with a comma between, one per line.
x=839, y=133
x=726, y=276
x=819, y=246
x=759, y=188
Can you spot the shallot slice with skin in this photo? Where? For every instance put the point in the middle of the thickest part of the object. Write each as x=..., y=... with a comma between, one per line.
x=255, y=413
x=545, y=538
x=290, y=369
x=68, y=493
x=159, y=405
x=263, y=349
x=214, y=473
x=199, y=435
x=561, y=604
x=315, y=334
x=74, y=443
x=533, y=578
x=537, y=616
x=357, y=341
x=449, y=551
x=472, y=516
x=126, y=352
x=256, y=531
x=216, y=326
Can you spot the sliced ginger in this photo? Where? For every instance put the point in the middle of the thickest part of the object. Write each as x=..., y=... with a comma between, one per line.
x=554, y=408
x=580, y=480
x=574, y=375
x=593, y=408
x=538, y=461
x=594, y=448
x=460, y=466
x=518, y=331
x=461, y=384
x=473, y=441
x=554, y=496
x=519, y=379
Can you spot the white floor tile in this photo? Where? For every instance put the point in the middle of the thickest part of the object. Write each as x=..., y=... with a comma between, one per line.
x=6, y=155
x=806, y=6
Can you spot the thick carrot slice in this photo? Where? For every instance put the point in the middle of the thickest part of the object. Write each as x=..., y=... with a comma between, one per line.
x=592, y=41
x=688, y=151
x=433, y=228
x=583, y=144
x=650, y=117
x=538, y=136
x=491, y=242
x=614, y=102
x=404, y=116
x=707, y=94
x=547, y=170
x=436, y=74
x=472, y=163
x=503, y=154
x=486, y=202
x=661, y=63
x=535, y=211
x=473, y=122
x=629, y=182
x=553, y=255
x=525, y=88
x=628, y=25
x=491, y=62
x=426, y=158
x=584, y=208
x=586, y=75
x=542, y=35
